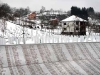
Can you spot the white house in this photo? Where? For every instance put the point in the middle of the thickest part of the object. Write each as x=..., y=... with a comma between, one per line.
x=73, y=25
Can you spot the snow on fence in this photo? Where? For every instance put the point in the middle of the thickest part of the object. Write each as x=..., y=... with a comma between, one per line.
x=16, y=34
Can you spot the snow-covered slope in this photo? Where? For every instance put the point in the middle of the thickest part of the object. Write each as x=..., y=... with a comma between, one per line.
x=14, y=35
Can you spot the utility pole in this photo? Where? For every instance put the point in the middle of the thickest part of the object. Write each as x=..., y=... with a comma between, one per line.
x=23, y=33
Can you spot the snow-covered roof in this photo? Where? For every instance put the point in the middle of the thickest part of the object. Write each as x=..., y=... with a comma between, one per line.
x=54, y=13
x=98, y=24
x=36, y=21
x=73, y=18
x=53, y=19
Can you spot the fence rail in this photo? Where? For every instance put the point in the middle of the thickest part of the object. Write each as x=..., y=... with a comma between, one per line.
x=48, y=37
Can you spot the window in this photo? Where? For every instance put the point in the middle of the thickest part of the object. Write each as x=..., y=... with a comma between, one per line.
x=64, y=28
x=77, y=23
x=64, y=23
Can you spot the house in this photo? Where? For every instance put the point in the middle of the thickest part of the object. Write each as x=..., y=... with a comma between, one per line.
x=32, y=16
x=54, y=22
x=96, y=27
x=74, y=25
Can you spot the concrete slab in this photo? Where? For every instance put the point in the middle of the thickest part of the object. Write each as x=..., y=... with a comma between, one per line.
x=50, y=59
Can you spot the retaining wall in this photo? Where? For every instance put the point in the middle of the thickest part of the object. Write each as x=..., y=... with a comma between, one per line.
x=50, y=59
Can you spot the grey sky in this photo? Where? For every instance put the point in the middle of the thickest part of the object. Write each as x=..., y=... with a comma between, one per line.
x=55, y=4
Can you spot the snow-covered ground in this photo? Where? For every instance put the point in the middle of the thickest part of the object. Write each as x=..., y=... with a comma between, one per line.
x=14, y=35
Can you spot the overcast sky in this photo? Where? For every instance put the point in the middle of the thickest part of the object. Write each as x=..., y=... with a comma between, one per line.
x=55, y=4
